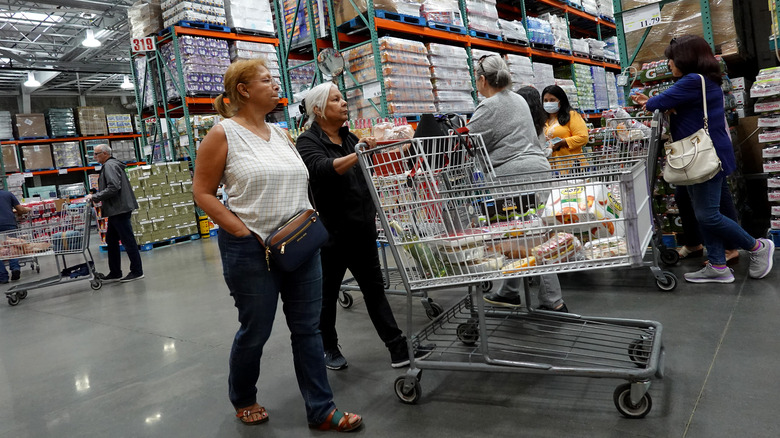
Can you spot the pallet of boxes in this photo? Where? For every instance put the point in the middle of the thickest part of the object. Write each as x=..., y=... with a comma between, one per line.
x=166, y=212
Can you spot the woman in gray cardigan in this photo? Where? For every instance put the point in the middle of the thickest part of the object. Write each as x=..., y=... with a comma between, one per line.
x=507, y=127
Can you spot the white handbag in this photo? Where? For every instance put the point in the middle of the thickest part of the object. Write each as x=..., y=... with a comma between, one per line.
x=692, y=160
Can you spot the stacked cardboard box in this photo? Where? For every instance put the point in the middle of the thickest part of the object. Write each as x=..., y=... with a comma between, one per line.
x=61, y=122
x=123, y=150
x=92, y=120
x=30, y=126
x=10, y=158
x=37, y=157
x=166, y=209
x=119, y=123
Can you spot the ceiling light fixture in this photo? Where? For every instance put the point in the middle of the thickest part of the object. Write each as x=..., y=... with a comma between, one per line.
x=126, y=84
x=90, y=40
x=31, y=81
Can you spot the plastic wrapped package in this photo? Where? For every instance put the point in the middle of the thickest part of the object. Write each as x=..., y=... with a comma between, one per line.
x=600, y=88
x=92, y=120
x=10, y=158
x=765, y=87
x=606, y=9
x=145, y=18
x=119, y=123
x=540, y=31
x=612, y=91
x=482, y=15
x=395, y=94
x=441, y=11
x=444, y=50
x=61, y=122
x=521, y=69
x=67, y=154
x=567, y=85
x=385, y=44
x=560, y=30
x=596, y=48
x=591, y=7
x=344, y=11
x=204, y=62
x=513, y=30
x=452, y=84
x=683, y=17
x=390, y=56
x=6, y=127
x=451, y=95
x=581, y=46
x=445, y=72
x=253, y=15
x=217, y=17
x=32, y=125
x=37, y=157
x=75, y=190
x=124, y=150
x=543, y=75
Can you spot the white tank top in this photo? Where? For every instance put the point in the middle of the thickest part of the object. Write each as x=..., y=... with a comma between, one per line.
x=266, y=182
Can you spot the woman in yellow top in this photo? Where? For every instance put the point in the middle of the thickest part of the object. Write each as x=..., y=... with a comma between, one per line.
x=565, y=130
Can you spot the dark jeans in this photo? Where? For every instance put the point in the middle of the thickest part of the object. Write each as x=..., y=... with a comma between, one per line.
x=715, y=227
x=255, y=291
x=691, y=231
x=12, y=263
x=120, y=228
x=358, y=253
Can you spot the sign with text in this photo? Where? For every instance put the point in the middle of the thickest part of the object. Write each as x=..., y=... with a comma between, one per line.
x=640, y=18
x=145, y=44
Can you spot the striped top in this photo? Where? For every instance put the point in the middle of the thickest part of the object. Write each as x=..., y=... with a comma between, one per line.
x=266, y=182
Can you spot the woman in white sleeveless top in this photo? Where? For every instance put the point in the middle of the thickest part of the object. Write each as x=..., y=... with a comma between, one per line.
x=265, y=184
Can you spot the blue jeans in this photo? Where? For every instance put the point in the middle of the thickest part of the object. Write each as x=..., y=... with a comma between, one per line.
x=13, y=263
x=715, y=227
x=255, y=291
x=691, y=232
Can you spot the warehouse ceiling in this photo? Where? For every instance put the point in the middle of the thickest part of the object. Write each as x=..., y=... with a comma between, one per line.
x=46, y=36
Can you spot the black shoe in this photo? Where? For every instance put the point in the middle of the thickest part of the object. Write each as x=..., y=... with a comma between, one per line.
x=497, y=300
x=132, y=277
x=399, y=357
x=334, y=360
x=110, y=278
x=16, y=275
x=562, y=309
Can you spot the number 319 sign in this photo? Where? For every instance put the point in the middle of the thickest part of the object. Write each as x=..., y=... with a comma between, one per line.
x=142, y=44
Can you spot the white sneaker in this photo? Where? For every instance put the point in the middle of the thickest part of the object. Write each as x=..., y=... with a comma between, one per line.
x=708, y=274
x=761, y=260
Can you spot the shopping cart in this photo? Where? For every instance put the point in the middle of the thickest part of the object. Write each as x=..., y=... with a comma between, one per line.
x=392, y=282
x=64, y=234
x=456, y=224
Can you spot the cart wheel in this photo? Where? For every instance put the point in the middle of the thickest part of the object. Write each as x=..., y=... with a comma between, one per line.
x=95, y=284
x=638, y=354
x=22, y=294
x=669, y=283
x=13, y=299
x=345, y=300
x=486, y=286
x=467, y=333
x=670, y=257
x=622, y=398
x=409, y=397
x=434, y=311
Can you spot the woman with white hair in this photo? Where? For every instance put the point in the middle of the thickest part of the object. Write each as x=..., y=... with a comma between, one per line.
x=343, y=199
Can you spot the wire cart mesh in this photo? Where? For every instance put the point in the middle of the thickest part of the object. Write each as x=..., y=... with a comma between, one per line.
x=453, y=222
x=60, y=235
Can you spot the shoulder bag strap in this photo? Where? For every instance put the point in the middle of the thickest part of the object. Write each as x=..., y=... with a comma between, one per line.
x=704, y=101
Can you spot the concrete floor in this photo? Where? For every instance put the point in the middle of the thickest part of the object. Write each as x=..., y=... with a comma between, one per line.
x=149, y=358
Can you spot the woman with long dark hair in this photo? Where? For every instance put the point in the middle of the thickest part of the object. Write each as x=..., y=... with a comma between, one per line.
x=690, y=58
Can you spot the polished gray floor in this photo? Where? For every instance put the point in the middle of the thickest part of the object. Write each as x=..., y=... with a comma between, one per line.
x=149, y=359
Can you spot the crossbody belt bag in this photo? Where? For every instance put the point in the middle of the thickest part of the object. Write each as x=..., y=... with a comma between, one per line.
x=294, y=242
x=692, y=160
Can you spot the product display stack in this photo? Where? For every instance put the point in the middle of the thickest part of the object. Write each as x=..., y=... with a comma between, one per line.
x=543, y=75
x=30, y=126
x=615, y=99
x=204, y=62
x=250, y=16
x=450, y=79
x=145, y=18
x=766, y=89
x=295, y=13
x=119, y=123
x=583, y=79
x=560, y=30
x=202, y=11
x=442, y=13
x=407, y=78
x=600, y=92
x=75, y=190
x=522, y=71
x=567, y=85
x=164, y=194
x=124, y=150
x=10, y=158
x=240, y=50
x=482, y=17
x=540, y=33
x=606, y=10
x=6, y=127
x=146, y=79
x=513, y=32
x=36, y=157
x=67, y=154
x=92, y=120
x=61, y=122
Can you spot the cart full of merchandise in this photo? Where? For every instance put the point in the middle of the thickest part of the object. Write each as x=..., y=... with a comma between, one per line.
x=454, y=223
x=64, y=234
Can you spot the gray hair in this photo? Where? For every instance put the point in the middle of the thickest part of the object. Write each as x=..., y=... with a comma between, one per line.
x=495, y=71
x=317, y=97
x=103, y=147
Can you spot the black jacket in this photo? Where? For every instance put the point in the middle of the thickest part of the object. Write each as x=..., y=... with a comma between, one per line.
x=114, y=189
x=343, y=201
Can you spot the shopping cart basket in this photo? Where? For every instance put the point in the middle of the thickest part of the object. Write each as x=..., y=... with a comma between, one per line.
x=64, y=234
x=456, y=224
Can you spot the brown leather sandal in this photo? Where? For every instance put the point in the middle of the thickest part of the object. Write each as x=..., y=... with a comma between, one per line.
x=246, y=415
x=340, y=422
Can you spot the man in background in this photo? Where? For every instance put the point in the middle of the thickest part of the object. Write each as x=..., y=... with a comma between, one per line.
x=9, y=209
x=118, y=200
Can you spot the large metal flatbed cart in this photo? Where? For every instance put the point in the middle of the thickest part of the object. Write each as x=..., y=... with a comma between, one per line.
x=457, y=224
x=66, y=234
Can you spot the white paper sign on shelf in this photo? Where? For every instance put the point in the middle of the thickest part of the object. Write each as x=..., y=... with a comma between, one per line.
x=294, y=110
x=640, y=18
x=373, y=89
x=63, y=171
x=28, y=174
x=98, y=167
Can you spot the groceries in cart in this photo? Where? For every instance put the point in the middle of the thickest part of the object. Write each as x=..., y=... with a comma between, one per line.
x=585, y=208
x=626, y=128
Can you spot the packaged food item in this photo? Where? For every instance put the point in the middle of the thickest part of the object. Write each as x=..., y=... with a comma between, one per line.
x=605, y=248
x=519, y=265
x=560, y=248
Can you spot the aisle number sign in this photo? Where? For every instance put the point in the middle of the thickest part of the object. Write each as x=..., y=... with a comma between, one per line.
x=145, y=44
x=643, y=17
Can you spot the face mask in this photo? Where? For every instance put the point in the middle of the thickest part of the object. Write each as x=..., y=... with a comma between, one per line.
x=551, y=107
